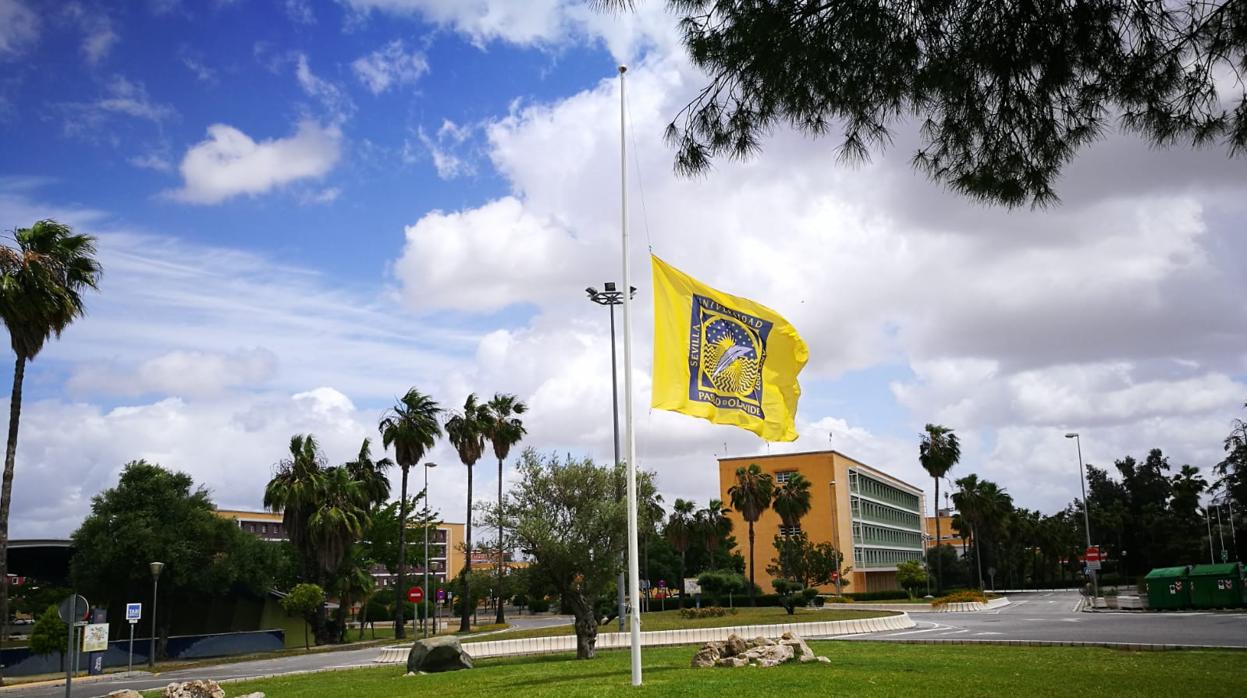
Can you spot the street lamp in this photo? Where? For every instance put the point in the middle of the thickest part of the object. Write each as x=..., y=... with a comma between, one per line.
x=427, y=592
x=1086, y=506
x=610, y=297
x=835, y=516
x=156, y=568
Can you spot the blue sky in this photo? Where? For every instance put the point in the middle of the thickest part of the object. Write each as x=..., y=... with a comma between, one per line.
x=304, y=208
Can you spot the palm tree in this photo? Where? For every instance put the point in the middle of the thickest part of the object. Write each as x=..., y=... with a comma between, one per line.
x=466, y=432
x=938, y=452
x=969, y=503
x=680, y=528
x=412, y=428
x=295, y=490
x=715, y=526
x=751, y=495
x=504, y=430
x=41, y=284
x=371, y=475
x=792, y=501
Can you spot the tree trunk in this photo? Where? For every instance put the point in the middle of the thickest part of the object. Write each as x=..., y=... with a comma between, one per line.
x=586, y=625
x=400, y=611
x=752, y=585
x=939, y=559
x=500, y=618
x=6, y=497
x=464, y=623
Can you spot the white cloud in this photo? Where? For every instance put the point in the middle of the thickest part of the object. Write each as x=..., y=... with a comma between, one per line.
x=152, y=161
x=300, y=12
x=99, y=37
x=444, y=149
x=199, y=69
x=390, y=66
x=182, y=373
x=229, y=163
x=337, y=103
x=19, y=28
x=130, y=98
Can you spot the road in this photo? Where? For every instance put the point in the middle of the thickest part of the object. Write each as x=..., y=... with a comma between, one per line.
x=260, y=667
x=1051, y=616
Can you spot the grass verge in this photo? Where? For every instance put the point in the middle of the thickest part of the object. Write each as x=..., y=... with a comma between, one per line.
x=671, y=620
x=859, y=668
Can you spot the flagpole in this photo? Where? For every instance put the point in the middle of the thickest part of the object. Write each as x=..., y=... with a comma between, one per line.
x=634, y=568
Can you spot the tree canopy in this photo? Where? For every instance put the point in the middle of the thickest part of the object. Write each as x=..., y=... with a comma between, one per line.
x=1005, y=94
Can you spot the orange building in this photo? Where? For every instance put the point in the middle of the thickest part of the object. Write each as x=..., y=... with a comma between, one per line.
x=874, y=519
x=948, y=534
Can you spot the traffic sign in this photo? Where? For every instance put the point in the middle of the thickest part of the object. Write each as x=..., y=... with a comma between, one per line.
x=74, y=609
x=1093, y=554
x=134, y=611
x=415, y=594
x=441, y=595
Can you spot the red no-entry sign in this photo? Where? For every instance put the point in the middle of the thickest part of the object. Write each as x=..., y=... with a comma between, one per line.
x=415, y=594
x=1093, y=554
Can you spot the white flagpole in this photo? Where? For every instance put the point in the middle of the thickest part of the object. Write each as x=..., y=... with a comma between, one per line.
x=634, y=568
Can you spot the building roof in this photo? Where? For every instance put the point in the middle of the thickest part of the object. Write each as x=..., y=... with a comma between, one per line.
x=276, y=516
x=828, y=452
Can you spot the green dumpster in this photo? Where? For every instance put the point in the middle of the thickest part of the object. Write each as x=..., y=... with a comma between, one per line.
x=1168, y=588
x=1216, y=586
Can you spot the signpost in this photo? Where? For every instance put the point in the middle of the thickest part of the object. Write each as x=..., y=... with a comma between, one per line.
x=415, y=594
x=1092, y=556
x=73, y=610
x=134, y=613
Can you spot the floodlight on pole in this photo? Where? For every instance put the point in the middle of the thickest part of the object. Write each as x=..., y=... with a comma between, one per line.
x=610, y=297
x=1086, y=504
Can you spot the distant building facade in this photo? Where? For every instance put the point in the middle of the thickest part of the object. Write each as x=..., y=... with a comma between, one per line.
x=873, y=518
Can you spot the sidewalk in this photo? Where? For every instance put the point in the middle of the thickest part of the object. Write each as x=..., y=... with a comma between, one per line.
x=567, y=643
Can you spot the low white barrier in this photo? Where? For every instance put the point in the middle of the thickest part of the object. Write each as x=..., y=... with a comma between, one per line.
x=567, y=643
x=967, y=607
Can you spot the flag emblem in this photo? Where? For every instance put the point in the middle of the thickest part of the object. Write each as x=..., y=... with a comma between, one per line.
x=726, y=351
x=731, y=360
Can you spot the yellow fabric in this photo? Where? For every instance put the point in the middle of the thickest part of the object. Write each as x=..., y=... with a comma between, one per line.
x=723, y=358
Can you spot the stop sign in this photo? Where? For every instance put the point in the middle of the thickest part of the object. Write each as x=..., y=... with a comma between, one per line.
x=415, y=594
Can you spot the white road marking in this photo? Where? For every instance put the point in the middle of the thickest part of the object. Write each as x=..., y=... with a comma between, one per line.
x=975, y=634
x=913, y=632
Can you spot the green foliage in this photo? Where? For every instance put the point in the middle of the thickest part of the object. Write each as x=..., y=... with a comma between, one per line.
x=999, y=119
x=382, y=534
x=566, y=515
x=808, y=564
x=910, y=575
x=49, y=634
x=31, y=597
x=722, y=583
x=790, y=594
x=792, y=500
x=889, y=595
x=305, y=601
x=158, y=514
x=539, y=605
x=41, y=283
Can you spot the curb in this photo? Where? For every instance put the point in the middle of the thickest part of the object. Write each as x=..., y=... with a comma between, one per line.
x=964, y=607
x=658, y=638
x=1142, y=647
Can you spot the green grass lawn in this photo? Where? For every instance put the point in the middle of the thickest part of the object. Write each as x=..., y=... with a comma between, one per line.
x=671, y=620
x=860, y=668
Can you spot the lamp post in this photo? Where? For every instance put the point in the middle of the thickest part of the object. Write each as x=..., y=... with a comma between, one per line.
x=427, y=591
x=835, y=516
x=1086, y=506
x=1208, y=523
x=610, y=297
x=156, y=568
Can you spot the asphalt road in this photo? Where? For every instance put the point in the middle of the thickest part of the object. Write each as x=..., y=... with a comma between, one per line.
x=240, y=670
x=1051, y=616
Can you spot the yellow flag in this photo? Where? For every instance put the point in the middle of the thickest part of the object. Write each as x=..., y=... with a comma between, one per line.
x=723, y=358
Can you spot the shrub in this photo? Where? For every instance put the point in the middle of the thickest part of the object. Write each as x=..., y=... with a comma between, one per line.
x=706, y=612
x=538, y=605
x=819, y=601
x=837, y=599
x=49, y=633
x=960, y=597
x=891, y=595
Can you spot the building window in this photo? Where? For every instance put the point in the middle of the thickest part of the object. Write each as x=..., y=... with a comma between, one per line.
x=782, y=476
x=783, y=531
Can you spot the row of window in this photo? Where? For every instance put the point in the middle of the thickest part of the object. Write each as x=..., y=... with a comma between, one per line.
x=879, y=557
x=874, y=511
x=880, y=535
x=860, y=483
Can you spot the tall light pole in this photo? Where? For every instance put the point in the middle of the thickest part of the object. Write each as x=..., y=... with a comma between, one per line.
x=835, y=516
x=1086, y=505
x=610, y=297
x=156, y=568
x=1208, y=523
x=427, y=592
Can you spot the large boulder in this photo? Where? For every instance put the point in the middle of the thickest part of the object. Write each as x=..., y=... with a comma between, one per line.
x=194, y=689
x=437, y=654
x=800, y=650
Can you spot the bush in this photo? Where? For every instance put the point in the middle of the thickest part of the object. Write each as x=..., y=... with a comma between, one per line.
x=837, y=599
x=538, y=605
x=960, y=597
x=891, y=595
x=706, y=612
x=819, y=601
x=49, y=633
